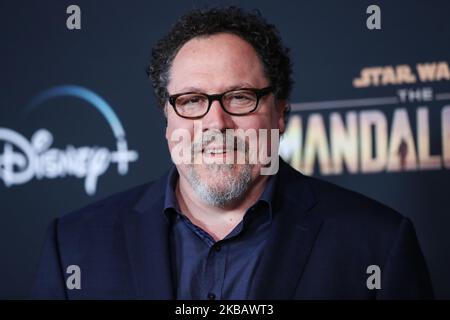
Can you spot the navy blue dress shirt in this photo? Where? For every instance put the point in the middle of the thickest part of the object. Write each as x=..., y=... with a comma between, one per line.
x=207, y=269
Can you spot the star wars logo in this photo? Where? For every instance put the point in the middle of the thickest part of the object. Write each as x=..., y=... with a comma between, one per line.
x=407, y=131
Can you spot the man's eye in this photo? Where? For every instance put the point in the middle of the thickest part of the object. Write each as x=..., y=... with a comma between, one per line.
x=194, y=100
x=191, y=100
x=241, y=98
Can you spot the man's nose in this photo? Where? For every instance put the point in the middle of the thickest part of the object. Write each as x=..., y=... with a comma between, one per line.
x=217, y=118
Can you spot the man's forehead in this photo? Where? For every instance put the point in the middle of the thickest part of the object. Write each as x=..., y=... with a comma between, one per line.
x=215, y=83
x=202, y=88
x=225, y=60
x=216, y=49
x=219, y=41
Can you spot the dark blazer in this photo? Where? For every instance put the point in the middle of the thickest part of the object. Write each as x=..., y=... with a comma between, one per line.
x=323, y=239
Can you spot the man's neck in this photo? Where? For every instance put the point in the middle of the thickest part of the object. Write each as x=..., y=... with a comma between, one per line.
x=217, y=221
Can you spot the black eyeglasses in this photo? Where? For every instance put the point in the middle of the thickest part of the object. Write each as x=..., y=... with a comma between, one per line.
x=238, y=102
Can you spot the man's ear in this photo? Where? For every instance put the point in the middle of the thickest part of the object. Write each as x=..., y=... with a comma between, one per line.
x=282, y=107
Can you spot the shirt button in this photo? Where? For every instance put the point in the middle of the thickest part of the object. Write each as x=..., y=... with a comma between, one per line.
x=218, y=248
x=211, y=296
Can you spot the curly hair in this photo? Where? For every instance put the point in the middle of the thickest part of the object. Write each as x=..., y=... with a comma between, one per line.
x=250, y=26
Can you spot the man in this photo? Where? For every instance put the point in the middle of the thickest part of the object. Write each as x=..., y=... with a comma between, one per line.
x=216, y=228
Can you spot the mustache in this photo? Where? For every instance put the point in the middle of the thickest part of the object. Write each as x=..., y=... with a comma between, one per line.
x=225, y=140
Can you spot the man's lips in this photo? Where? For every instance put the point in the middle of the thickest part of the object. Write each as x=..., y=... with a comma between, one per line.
x=217, y=149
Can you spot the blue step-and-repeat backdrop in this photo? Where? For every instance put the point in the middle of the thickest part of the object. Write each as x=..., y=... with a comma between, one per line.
x=78, y=119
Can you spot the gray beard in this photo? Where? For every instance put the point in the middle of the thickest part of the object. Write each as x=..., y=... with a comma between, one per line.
x=231, y=188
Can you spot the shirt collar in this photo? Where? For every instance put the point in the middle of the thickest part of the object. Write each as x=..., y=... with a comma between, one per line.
x=171, y=202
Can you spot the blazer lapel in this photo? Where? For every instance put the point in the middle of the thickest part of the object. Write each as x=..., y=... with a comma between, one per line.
x=291, y=240
x=147, y=237
x=288, y=248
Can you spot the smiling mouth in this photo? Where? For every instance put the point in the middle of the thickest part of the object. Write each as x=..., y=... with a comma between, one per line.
x=217, y=151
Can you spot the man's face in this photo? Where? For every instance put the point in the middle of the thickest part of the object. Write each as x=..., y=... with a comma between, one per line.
x=212, y=65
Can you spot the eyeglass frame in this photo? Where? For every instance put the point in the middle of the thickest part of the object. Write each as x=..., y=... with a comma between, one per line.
x=213, y=97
